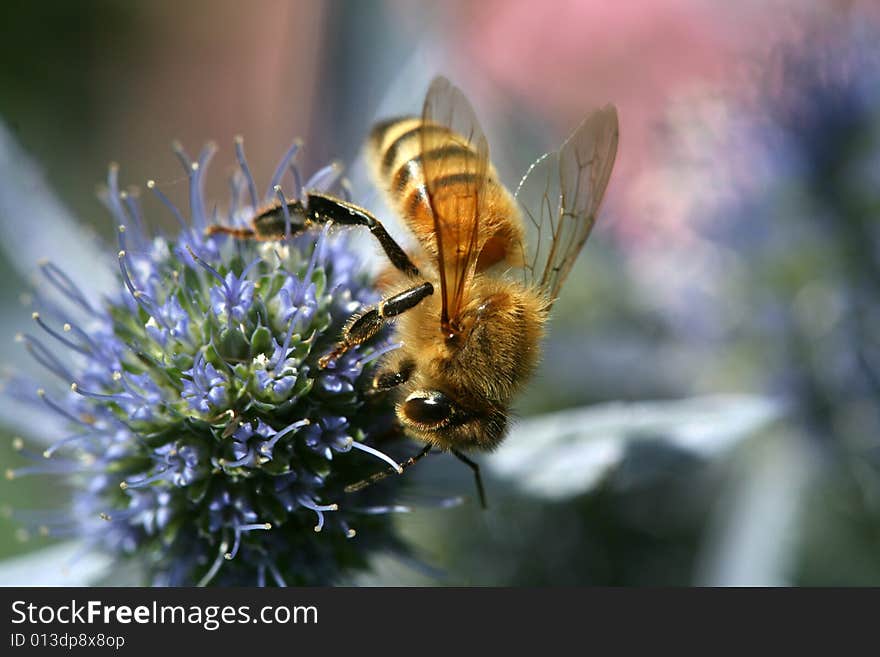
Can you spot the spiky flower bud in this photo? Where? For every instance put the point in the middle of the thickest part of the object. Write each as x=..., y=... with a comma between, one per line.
x=206, y=443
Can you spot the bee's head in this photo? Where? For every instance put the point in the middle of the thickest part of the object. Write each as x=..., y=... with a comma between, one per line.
x=440, y=419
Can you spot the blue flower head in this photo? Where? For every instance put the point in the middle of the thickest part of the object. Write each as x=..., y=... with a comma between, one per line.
x=205, y=443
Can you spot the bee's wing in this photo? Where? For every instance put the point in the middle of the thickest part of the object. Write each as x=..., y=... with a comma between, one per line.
x=560, y=195
x=454, y=155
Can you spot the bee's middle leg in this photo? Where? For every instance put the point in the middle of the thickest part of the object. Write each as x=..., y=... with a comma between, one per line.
x=366, y=325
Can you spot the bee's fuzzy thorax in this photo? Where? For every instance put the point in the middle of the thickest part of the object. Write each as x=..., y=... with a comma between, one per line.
x=489, y=361
x=473, y=344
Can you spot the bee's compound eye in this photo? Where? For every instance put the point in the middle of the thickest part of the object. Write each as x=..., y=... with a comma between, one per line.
x=427, y=408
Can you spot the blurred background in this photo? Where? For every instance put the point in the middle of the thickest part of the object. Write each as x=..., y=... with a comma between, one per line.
x=738, y=251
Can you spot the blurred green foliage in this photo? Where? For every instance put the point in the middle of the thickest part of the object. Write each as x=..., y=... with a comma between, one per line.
x=20, y=495
x=54, y=56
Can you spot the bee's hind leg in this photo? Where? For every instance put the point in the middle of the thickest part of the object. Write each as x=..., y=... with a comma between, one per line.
x=366, y=325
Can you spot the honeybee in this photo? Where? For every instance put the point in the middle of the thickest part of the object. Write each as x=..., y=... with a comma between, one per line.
x=472, y=306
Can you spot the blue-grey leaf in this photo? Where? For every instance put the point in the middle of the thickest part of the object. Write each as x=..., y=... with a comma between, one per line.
x=565, y=454
x=66, y=564
x=34, y=225
x=753, y=538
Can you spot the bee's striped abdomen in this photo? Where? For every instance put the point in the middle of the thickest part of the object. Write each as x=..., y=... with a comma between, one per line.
x=399, y=155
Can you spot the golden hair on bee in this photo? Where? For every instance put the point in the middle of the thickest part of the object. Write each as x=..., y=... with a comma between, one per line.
x=472, y=314
x=470, y=349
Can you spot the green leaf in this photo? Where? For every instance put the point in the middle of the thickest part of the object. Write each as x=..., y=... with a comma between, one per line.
x=261, y=341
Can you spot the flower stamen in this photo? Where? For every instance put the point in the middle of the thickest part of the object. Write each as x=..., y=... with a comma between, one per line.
x=63, y=283
x=282, y=166
x=351, y=442
x=245, y=169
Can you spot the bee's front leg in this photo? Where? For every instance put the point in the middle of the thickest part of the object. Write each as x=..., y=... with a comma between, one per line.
x=391, y=377
x=366, y=325
x=323, y=208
